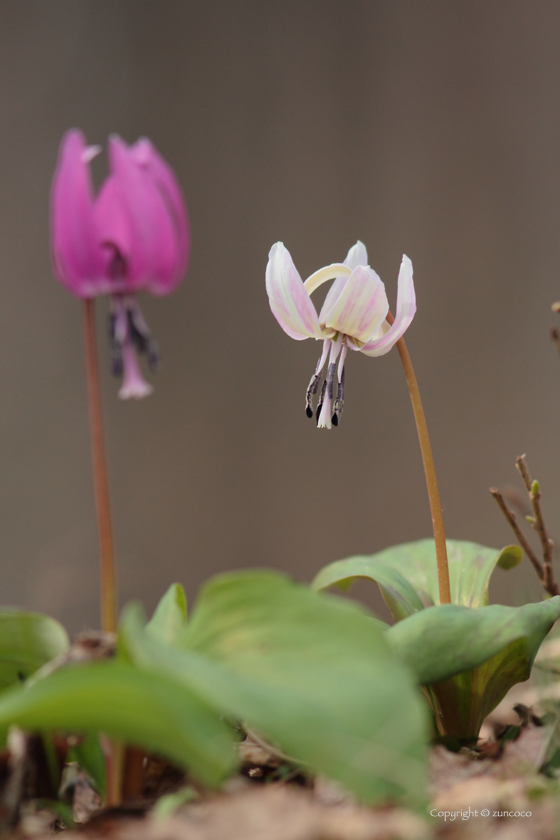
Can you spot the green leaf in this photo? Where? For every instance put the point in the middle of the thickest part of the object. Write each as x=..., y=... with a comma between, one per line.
x=442, y=641
x=310, y=672
x=470, y=658
x=27, y=641
x=170, y=615
x=145, y=709
x=407, y=574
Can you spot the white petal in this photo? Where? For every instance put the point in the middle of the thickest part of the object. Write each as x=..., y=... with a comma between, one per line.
x=357, y=255
x=289, y=301
x=361, y=307
x=406, y=308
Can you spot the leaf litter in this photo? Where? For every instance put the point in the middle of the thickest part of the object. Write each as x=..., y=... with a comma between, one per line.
x=280, y=802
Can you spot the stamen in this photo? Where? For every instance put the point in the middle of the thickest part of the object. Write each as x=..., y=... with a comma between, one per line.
x=128, y=335
x=324, y=421
x=117, y=334
x=310, y=393
x=138, y=339
x=140, y=334
x=321, y=399
x=315, y=379
x=339, y=402
x=115, y=347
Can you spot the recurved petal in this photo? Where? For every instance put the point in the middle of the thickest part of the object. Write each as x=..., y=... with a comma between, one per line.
x=357, y=255
x=361, y=307
x=406, y=309
x=76, y=252
x=147, y=156
x=153, y=255
x=289, y=301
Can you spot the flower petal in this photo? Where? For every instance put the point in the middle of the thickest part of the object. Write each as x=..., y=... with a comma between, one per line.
x=76, y=253
x=289, y=301
x=153, y=249
x=148, y=157
x=357, y=255
x=361, y=306
x=406, y=308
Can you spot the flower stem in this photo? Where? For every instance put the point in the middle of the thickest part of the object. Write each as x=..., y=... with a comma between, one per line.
x=108, y=584
x=429, y=471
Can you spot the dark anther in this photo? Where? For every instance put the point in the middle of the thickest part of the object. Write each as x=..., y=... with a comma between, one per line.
x=138, y=338
x=310, y=393
x=115, y=348
x=153, y=355
x=321, y=398
x=116, y=361
x=142, y=339
x=339, y=402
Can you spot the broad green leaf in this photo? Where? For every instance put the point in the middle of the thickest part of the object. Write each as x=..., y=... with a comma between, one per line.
x=407, y=574
x=170, y=615
x=310, y=672
x=446, y=640
x=27, y=641
x=470, y=658
x=145, y=709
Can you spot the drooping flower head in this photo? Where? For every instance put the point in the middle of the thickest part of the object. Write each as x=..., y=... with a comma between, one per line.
x=354, y=315
x=132, y=236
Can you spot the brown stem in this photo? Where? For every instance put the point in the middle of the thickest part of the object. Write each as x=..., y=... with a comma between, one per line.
x=114, y=765
x=429, y=470
x=133, y=774
x=108, y=583
x=519, y=535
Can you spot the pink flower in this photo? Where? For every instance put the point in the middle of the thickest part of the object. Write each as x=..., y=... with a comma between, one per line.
x=353, y=316
x=132, y=236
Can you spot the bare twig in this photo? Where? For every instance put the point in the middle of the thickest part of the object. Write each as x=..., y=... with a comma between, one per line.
x=521, y=467
x=544, y=570
x=537, y=520
x=519, y=535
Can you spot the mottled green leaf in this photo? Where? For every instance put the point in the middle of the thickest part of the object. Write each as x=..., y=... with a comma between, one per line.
x=407, y=574
x=470, y=658
x=309, y=672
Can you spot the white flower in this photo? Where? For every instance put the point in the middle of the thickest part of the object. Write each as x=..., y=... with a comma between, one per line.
x=354, y=315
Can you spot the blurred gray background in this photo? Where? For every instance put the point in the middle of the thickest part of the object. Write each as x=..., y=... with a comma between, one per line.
x=420, y=126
